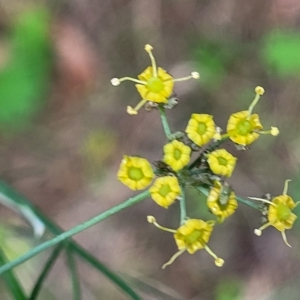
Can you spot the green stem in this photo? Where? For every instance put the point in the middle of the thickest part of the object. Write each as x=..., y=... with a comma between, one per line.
x=164, y=121
x=205, y=192
x=47, y=268
x=248, y=202
x=81, y=227
x=74, y=274
x=182, y=206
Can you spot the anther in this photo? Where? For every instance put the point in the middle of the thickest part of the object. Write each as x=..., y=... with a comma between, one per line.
x=115, y=81
x=259, y=90
x=257, y=232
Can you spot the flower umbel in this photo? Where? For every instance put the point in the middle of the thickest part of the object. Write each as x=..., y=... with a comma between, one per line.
x=176, y=155
x=280, y=213
x=201, y=129
x=165, y=190
x=135, y=172
x=221, y=162
x=193, y=235
x=153, y=84
x=221, y=202
x=243, y=127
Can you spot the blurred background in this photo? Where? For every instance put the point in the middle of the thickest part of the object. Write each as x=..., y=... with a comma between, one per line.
x=64, y=130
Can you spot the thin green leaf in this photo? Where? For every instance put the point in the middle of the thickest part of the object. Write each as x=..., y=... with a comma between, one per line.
x=281, y=50
x=94, y=262
x=74, y=274
x=46, y=270
x=154, y=288
x=56, y=230
x=11, y=281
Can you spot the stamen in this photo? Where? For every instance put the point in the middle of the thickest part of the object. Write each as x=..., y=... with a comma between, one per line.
x=133, y=111
x=258, y=231
x=286, y=185
x=262, y=200
x=262, y=132
x=194, y=75
x=218, y=261
x=284, y=239
x=152, y=220
x=149, y=49
x=172, y=259
x=274, y=131
x=117, y=81
x=259, y=91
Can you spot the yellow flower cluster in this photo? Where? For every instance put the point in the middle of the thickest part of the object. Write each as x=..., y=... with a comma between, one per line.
x=211, y=167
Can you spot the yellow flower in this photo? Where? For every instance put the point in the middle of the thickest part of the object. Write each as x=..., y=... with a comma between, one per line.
x=201, y=129
x=165, y=190
x=221, y=202
x=135, y=172
x=153, y=84
x=221, y=162
x=280, y=213
x=193, y=235
x=176, y=155
x=243, y=127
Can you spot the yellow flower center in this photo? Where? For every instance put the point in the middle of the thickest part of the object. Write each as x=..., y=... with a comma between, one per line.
x=164, y=190
x=135, y=173
x=222, y=161
x=177, y=154
x=202, y=128
x=283, y=212
x=193, y=237
x=244, y=127
x=155, y=85
x=222, y=206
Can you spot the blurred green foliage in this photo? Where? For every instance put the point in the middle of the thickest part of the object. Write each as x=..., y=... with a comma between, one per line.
x=13, y=244
x=212, y=59
x=24, y=79
x=281, y=51
x=229, y=289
